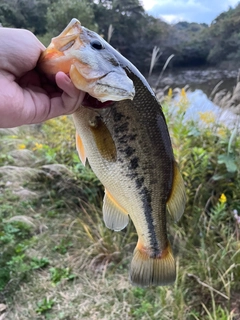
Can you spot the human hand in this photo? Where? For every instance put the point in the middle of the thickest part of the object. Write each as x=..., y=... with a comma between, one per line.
x=27, y=96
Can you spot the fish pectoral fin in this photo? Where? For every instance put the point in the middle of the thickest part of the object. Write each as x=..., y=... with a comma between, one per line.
x=146, y=271
x=114, y=216
x=103, y=139
x=177, y=200
x=80, y=149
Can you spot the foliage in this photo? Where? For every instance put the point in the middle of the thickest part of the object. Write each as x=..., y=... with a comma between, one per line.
x=57, y=274
x=225, y=37
x=60, y=13
x=44, y=305
x=189, y=43
x=26, y=14
x=13, y=242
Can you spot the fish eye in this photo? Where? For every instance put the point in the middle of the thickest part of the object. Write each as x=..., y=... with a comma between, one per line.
x=96, y=44
x=67, y=46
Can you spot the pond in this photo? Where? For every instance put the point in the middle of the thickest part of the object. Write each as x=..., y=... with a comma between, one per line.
x=196, y=78
x=201, y=83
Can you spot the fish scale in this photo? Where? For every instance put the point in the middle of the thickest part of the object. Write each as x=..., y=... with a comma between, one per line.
x=122, y=131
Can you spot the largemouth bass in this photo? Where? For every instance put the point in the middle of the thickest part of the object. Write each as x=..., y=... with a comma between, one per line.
x=122, y=131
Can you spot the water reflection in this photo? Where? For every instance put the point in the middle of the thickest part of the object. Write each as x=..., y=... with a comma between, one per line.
x=204, y=79
x=199, y=104
x=201, y=83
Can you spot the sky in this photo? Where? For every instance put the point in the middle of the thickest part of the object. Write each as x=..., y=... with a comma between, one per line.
x=200, y=11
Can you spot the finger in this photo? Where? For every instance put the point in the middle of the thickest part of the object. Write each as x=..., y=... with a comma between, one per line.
x=38, y=107
x=72, y=97
x=65, y=104
x=46, y=107
x=65, y=83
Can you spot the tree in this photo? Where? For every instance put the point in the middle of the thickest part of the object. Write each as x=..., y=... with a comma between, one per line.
x=60, y=13
x=28, y=14
x=188, y=43
x=225, y=38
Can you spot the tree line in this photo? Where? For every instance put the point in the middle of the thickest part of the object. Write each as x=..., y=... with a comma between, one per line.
x=132, y=31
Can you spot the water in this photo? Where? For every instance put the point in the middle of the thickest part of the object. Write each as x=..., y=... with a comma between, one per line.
x=201, y=83
x=196, y=78
x=199, y=103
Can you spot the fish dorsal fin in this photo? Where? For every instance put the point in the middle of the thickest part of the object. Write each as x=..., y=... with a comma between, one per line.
x=114, y=216
x=177, y=200
x=80, y=149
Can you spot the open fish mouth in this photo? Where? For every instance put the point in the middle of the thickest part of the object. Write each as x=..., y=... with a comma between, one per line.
x=88, y=101
x=91, y=102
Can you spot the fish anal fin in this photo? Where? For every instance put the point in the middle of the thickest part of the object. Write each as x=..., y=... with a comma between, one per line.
x=177, y=199
x=148, y=271
x=80, y=149
x=114, y=216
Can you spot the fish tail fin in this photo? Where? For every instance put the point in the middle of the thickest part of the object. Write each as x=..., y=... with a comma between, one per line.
x=146, y=271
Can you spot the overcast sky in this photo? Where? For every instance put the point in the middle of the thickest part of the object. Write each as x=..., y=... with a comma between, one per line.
x=201, y=11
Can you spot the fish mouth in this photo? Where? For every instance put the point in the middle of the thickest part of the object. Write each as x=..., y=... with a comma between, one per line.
x=88, y=100
x=91, y=102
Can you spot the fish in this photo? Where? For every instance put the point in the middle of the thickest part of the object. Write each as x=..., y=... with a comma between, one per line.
x=122, y=132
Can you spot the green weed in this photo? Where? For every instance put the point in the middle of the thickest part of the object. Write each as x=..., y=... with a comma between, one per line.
x=58, y=274
x=44, y=305
x=39, y=263
x=63, y=246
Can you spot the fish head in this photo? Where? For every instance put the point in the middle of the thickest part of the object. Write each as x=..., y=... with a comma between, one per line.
x=91, y=63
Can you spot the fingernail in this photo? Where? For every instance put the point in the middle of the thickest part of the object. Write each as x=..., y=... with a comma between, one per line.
x=68, y=79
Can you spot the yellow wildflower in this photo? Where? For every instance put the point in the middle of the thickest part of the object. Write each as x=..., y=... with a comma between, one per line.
x=223, y=198
x=21, y=146
x=170, y=93
x=183, y=94
x=207, y=117
x=38, y=146
x=64, y=118
x=183, y=102
x=221, y=132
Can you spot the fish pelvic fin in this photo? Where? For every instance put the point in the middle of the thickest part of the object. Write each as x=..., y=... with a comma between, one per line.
x=146, y=271
x=80, y=149
x=114, y=216
x=177, y=200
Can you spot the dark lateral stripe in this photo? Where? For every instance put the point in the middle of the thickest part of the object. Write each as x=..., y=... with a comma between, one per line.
x=127, y=150
x=146, y=199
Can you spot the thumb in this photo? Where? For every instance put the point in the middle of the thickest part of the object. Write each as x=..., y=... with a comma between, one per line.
x=71, y=96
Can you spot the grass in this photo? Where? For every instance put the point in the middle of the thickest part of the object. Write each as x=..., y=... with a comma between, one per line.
x=59, y=261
